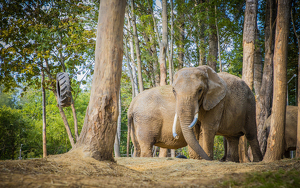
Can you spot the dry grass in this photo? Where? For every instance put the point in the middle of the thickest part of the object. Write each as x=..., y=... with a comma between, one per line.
x=75, y=170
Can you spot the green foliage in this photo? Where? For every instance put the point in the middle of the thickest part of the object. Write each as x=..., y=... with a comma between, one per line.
x=52, y=36
x=218, y=147
x=269, y=179
x=13, y=132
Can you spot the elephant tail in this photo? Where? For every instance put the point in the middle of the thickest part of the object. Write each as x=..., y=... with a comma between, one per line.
x=128, y=132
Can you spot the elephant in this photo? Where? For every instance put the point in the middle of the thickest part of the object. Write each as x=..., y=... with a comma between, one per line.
x=150, y=120
x=290, y=136
x=222, y=103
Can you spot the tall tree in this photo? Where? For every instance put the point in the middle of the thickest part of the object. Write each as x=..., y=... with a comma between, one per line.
x=98, y=133
x=265, y=93
x=276, y=135
x=137, y=48
x=163, y=44
x=133, y=65
x=298, y=120
x=171, y=66
x=248, y=58
x=60, y=45
x=213, y=38
x=181, y=16
x=44, y=116
x=118, y=133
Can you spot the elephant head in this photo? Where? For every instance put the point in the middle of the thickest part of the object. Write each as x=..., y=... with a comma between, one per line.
x=195, y=88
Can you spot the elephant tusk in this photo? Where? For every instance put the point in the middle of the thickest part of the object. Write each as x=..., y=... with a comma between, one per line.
x=194, y=121
x=174, y=127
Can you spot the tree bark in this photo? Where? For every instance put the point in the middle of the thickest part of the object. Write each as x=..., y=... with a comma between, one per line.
x=181, y=46
x=298, y=123
x=75, y=119
x=44, y=117
x=163, y=45
x=98, y=133
x=171, y=67
x=130, y=70
x=212, y=41
x=298, y=120
x=202, y=40
x=248, y=59
x=63, y=116
x=118, y=133
x=276, y=135
x=218, y=38
x=266, y=91
x=137, y=48
x=135, y=82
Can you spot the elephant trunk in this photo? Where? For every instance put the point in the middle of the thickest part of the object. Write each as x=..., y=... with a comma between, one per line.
x=186, y=116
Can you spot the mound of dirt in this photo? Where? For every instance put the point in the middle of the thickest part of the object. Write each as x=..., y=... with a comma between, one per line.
x=75, y=170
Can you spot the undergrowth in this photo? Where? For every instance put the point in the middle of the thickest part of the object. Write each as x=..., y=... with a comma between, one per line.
x=269, y=179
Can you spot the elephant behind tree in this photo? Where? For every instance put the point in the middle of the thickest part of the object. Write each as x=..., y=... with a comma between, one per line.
x=224, y=104
x=290, y=136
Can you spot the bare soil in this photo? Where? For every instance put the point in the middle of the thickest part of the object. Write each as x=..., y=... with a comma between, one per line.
x=72, y=170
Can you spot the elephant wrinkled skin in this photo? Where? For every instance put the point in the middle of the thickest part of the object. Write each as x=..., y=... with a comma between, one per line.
x=290, y=135
x=150, y=118
x=225, y=106
x=224, y=103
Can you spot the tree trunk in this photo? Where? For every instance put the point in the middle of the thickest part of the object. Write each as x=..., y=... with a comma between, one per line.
x=118, y=134
x=181, y=46
x=248, y=59
x=149, y=70
x=136, y=91
x=137, y=48
x=298, y=123
x=258, y=67
x=218, y=38
x=266, y=91
x=44, y=118
x=202, y=40
x=99, y=129
x=298, y=120
x=171, y=67
x=75, y=119
x=212, y=38
x=276, y=135
x=63, y=116
x=129, y=70
x=163, y=45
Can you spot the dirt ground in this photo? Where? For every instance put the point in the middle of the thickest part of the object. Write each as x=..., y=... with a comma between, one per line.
x=72, y=170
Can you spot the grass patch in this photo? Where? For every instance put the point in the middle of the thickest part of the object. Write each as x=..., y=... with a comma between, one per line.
x=269, y=179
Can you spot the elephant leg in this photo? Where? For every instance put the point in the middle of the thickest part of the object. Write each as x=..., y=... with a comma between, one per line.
x=252, y=139
x=233, y=152
x=225, y=150
x=146, y=149
x=163, y=152
x=137, y=148
x=208, y=142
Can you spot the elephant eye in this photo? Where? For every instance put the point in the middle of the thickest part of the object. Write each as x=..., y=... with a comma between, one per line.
x=200, y=90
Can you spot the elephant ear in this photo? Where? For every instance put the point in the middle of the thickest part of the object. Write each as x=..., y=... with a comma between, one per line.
x=216, y=90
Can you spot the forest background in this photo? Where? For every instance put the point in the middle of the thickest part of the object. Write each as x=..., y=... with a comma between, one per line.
x=59, y=36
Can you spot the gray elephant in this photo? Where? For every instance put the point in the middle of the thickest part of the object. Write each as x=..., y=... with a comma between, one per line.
x=150, y=120
x=290, y=136
x=222, y=103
